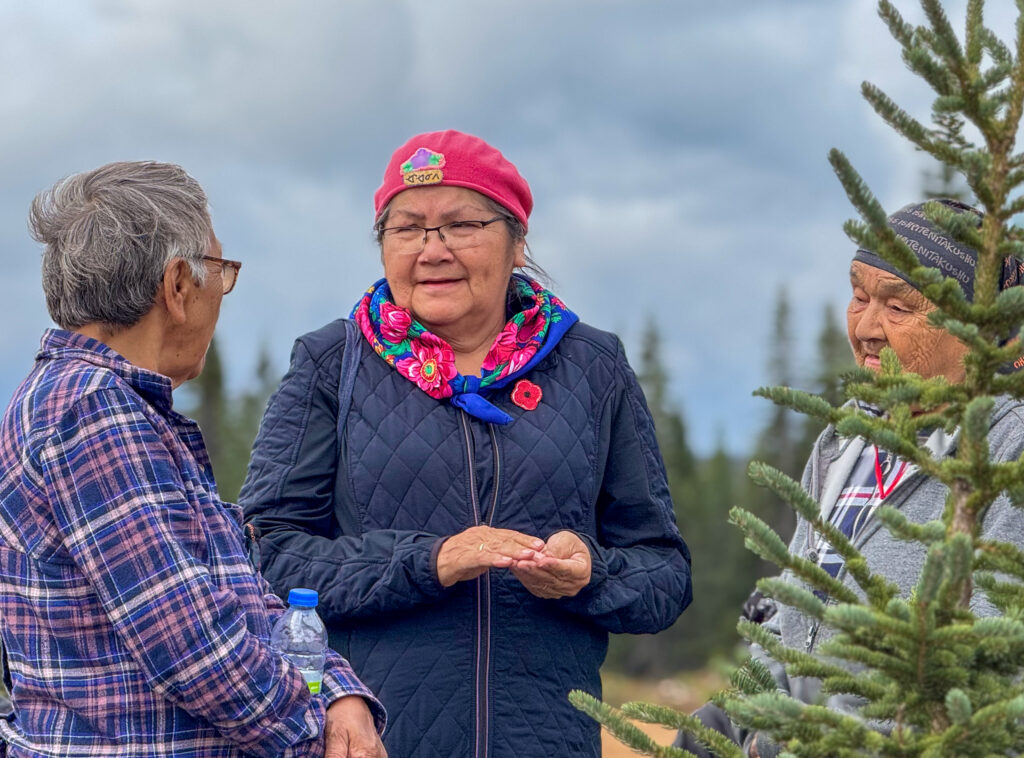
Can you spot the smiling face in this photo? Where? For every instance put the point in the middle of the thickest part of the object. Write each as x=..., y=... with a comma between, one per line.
x=456, y=295
x=886, y=311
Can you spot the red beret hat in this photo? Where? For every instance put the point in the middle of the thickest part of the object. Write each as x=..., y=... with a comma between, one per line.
x=455, y=159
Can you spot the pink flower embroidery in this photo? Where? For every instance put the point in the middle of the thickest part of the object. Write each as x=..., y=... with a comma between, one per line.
x=518, y=359
x=532, y=326
x=502, y=349
x=513, y=348
x=431, y=367
x=394, y=322
x=362, y=317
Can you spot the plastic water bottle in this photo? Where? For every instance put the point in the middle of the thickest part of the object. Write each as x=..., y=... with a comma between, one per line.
x=300, y=637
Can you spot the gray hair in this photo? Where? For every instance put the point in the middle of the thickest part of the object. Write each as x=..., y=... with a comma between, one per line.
x=515, y=230
x=110, y=234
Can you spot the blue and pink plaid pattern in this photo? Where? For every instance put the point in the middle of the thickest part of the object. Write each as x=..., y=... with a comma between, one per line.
x=133, y=622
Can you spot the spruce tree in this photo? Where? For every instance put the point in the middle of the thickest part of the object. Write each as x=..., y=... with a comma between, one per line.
x=943, y=180
x=778, y=444
x=684, y=644
x=244, y=413
x=934, y=679
x=668, y=419
x=211, y=406
x=725, y=569
x=229, y=423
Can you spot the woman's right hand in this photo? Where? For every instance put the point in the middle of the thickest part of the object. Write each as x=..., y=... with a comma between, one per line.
x=470, y=553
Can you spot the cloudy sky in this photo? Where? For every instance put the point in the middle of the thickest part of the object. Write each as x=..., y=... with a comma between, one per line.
x=676, y=151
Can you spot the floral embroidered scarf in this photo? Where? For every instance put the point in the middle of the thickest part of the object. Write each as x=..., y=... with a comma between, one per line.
x=429, y=362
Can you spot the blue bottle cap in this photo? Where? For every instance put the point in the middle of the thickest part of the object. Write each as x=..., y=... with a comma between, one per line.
x=303, y=598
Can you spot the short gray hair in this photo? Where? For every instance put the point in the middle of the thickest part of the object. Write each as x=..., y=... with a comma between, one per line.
x=109, y=235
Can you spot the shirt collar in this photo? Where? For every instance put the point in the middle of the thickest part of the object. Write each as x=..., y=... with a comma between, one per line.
x=60, y=344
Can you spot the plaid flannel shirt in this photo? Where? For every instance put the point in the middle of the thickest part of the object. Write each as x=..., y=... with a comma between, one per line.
x=133, y=621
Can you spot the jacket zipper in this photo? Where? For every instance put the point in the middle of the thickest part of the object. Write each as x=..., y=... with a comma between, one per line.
x=483, y=595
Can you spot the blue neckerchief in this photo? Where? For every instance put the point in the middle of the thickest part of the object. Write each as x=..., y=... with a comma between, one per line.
x=466, y=391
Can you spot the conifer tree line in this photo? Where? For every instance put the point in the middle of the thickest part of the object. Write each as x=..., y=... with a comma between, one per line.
x=229, y=421
x=925, y=670
x=703, y=489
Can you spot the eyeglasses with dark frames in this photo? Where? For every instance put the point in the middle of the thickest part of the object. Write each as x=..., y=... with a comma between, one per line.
x=455, y=235
x=228, y=271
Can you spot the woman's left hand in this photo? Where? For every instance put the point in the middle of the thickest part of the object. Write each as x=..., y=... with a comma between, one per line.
x=561, y=569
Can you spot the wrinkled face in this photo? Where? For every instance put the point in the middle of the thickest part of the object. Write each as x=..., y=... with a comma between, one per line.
x=885, y=311
x=451, y=293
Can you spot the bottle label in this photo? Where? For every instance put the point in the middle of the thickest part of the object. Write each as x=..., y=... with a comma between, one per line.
x=313, y=679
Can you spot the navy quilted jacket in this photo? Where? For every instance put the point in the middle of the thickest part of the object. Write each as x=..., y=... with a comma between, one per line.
x=482, y=668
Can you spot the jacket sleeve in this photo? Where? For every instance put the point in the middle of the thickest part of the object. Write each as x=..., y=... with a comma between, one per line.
x=289, y=495
x=640, y=576
x=120, y=503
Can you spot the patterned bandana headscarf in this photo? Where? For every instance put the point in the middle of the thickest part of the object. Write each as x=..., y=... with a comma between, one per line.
x=429, y=362
x=934, y=248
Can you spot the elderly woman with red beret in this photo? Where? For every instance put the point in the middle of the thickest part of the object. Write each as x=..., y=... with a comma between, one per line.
x=468, y=475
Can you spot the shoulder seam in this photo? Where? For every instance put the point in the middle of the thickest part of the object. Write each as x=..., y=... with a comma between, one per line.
x=575, y=335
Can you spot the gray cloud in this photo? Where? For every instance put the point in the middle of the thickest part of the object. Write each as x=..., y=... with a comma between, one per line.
x=676, y=152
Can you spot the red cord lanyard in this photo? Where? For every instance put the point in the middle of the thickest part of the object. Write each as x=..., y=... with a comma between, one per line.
x=880, y=479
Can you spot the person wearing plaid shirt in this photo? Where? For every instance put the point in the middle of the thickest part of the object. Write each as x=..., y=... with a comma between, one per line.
x=133, y=622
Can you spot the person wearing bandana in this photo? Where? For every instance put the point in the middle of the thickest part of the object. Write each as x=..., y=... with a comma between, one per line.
x=468, y=475
x=850, y=478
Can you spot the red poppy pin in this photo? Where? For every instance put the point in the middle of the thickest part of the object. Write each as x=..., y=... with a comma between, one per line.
x=526, y=395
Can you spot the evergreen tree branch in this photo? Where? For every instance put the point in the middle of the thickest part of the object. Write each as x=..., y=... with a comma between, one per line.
x=1008, y=597
x=998, y=713
x=863, y=200
x=888, y=663
x=770, y=643
x=656, y=714
x=792, y=595
x=1010, y=384
x=624, y=730
x=947, y=682
x=1016, y=103
x=765, y=542
x=910, y=127
x=973, y=35
x=878, y=589
x=795, y=721
x=753, y=676
x=1000, y=557
x=1017, y=205
x=886, y=439
x=901, y=31
x=902, y=528
x=921, y=62
x=785, y=487
x=947, y=44
x=800, y=401
x=760, y=538
x=850, y=684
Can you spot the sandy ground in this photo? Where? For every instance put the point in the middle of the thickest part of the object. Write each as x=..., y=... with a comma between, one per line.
x=684, y=693
x=612, y=748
